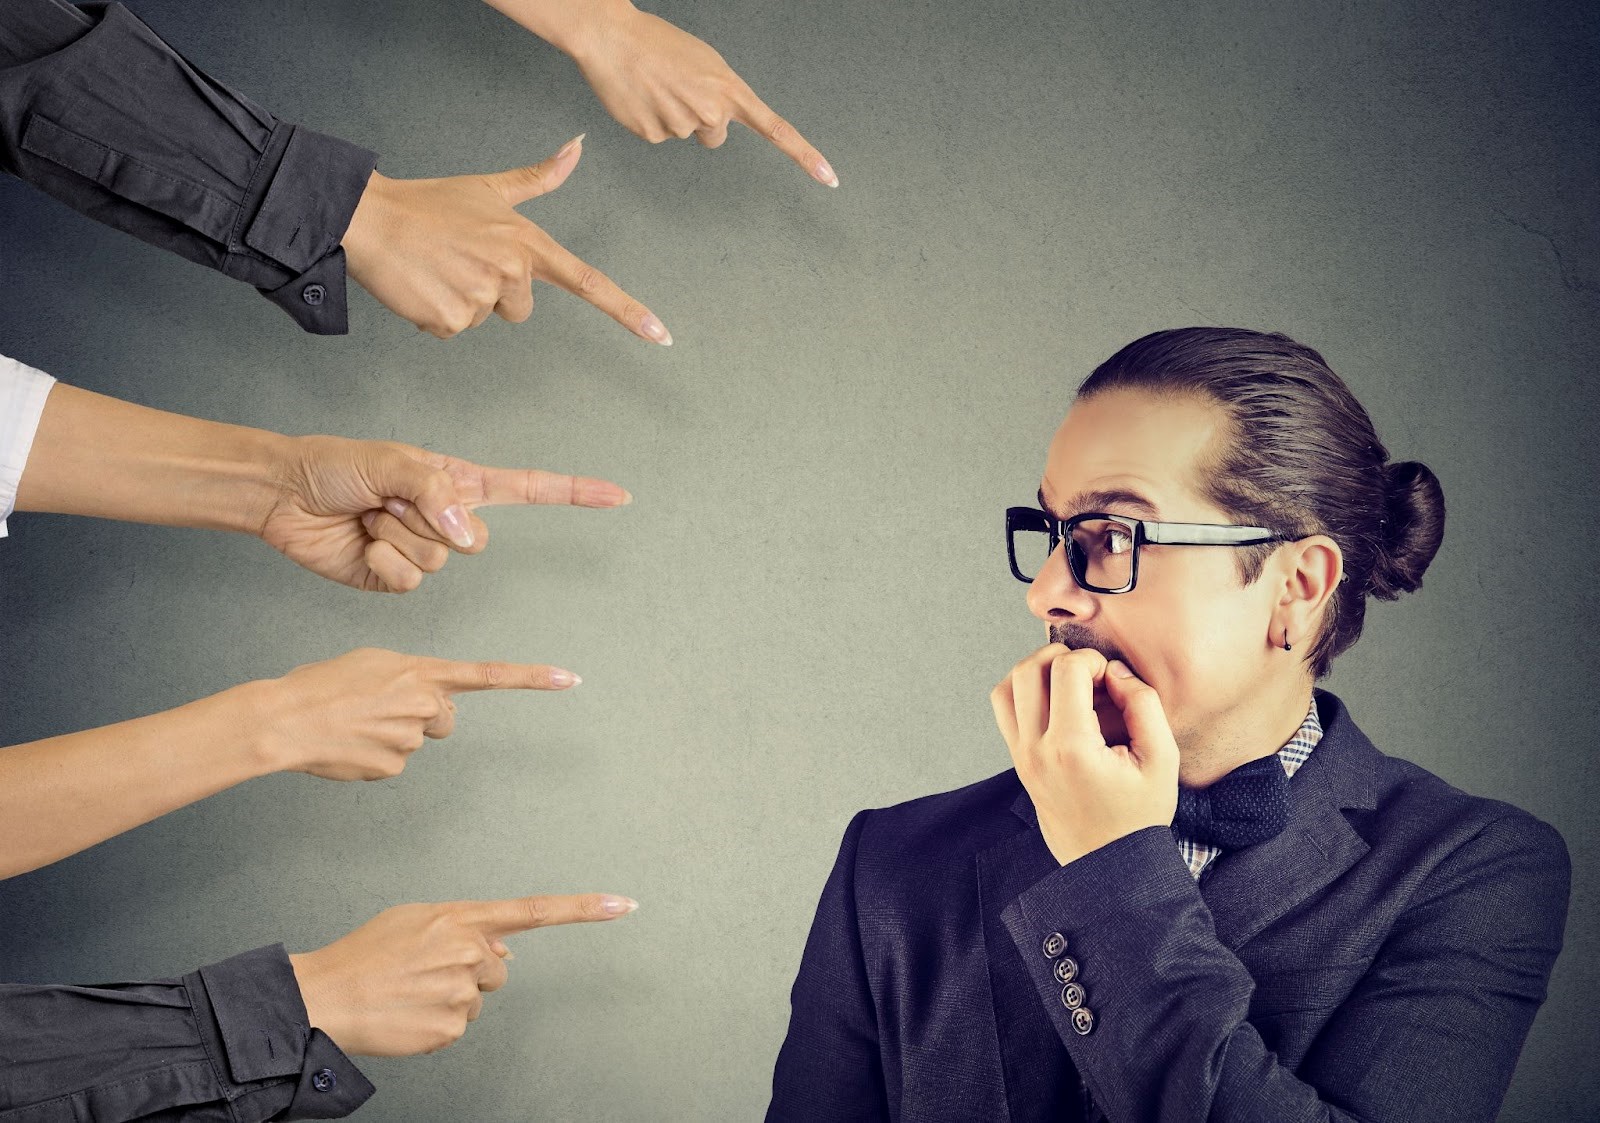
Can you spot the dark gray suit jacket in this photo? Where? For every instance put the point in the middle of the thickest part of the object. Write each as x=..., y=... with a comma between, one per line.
x=1380, y=960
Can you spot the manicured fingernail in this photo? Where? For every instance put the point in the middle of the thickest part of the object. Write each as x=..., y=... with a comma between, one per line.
x=453, y=521
x=367, y=517
x=561, y=679
x=396, y=507
x=653, y=328
x=627, y=497
x=570, y=145
x=616, y=906
x=1119, y=668
x=825, y=174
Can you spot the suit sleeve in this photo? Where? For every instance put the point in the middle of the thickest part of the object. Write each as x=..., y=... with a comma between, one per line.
x=1430, y=1034
x=99, y=112
x=229, y=1042
x=829, y=1067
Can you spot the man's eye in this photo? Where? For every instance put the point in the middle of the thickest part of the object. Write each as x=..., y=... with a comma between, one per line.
x=1118, y=542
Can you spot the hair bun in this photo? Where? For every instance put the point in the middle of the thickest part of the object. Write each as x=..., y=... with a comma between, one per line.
x=1413, y=528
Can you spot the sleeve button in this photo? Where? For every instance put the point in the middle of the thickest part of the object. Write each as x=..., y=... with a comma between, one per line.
x=1066, y=969
x=1054, y=944
x=313, y=294
x=324, y=1080
x=1073, y=996
x=1083, y=1020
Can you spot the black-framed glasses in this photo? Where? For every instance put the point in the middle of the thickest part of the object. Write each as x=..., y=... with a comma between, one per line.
x=1103, y=549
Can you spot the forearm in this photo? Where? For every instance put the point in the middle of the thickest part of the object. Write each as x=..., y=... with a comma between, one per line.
x=567, y=25
x=94, y=455
x=227, y=1041
x=64, y=794
x=99, y=112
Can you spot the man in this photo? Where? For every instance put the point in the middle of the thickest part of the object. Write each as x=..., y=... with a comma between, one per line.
x=1336, y=934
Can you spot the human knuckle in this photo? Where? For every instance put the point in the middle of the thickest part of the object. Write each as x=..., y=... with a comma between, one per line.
x=588, y=280
x=779, y=130
x=433, y=557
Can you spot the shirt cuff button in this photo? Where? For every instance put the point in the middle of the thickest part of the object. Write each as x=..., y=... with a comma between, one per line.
x=313, y=294
x=325, y=1080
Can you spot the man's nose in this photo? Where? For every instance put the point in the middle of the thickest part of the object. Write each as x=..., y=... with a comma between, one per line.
x=1055, y=594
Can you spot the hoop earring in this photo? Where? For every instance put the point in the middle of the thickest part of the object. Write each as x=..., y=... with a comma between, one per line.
x=1286, y=646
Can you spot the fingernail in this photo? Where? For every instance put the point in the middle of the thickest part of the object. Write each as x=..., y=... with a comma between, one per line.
x=570, y=145
x=653, y=328
x=396, y=507
x=562, y=679
x=825, y=173
x=453, y=521
x=1119, y=668
x=367, y=517
x=616, y=906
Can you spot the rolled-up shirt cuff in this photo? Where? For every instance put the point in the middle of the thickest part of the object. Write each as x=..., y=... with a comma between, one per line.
x=310, y=191
x=23, y=391
x=121, y=127
x=257, y=1032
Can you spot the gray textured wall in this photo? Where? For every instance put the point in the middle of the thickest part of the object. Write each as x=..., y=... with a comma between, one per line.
x=804, y=611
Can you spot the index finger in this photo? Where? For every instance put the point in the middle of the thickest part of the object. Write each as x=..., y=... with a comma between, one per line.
x=753, y=113
x=554, y=263
x=1072, y=681
x=519, y=914
x=458, y=677
x=536, y=486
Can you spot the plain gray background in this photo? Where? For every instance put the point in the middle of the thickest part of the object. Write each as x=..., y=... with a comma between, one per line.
x=804, y=611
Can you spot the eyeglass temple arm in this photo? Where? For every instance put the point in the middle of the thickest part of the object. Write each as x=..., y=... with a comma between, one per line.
x=1204, y=534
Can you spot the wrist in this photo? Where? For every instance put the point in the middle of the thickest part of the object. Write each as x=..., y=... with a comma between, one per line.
x=364, y=234
x=255, y=706
x=322, y=1012
x=573, y=27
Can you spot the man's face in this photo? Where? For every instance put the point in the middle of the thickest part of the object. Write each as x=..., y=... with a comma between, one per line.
x=1187, y=628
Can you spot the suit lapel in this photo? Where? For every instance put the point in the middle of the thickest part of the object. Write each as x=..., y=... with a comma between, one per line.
x=1248, y=890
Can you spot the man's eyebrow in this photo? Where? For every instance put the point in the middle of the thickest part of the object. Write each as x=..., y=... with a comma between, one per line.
x=1112, y=500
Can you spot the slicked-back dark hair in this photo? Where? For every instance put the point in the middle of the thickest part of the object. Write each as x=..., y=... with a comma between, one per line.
x=1302, y=458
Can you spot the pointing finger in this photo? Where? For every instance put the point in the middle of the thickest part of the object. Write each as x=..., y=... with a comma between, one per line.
x=536, y=486
x=554, y=263
x=459, y=677
x=520, y=914
x=752, y=112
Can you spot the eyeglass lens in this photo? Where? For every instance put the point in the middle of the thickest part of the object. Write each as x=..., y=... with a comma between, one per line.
x=1103, y=549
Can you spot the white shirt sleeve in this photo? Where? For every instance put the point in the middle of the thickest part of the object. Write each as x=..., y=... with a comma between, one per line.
x=22, y=394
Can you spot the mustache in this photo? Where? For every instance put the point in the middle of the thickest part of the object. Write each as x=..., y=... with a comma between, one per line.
x=1076, y=635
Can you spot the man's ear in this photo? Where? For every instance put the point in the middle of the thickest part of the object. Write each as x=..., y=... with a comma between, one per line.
x=1309, y=570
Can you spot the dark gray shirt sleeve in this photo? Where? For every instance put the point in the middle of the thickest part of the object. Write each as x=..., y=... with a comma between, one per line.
x=98, y=111
x=229, y=1042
